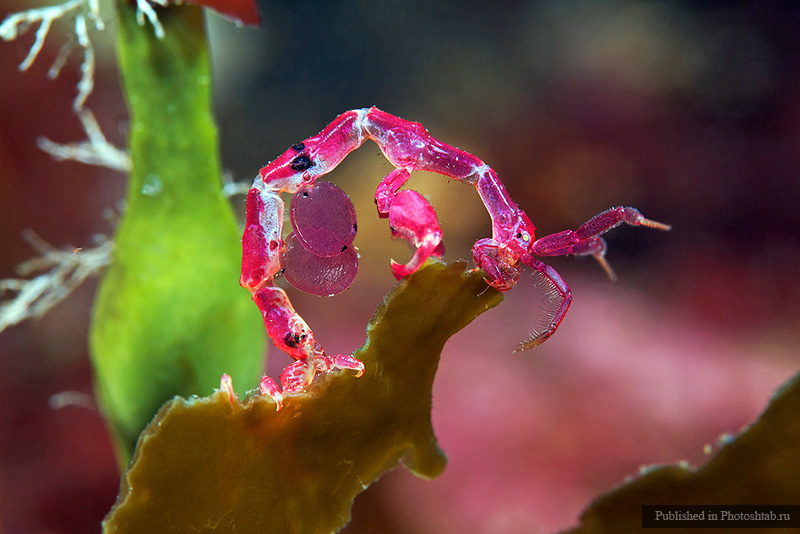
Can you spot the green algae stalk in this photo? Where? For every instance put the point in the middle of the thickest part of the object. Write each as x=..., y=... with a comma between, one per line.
x=170, y=317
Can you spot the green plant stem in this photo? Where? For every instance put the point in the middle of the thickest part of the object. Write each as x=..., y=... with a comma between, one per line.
x=169, y=317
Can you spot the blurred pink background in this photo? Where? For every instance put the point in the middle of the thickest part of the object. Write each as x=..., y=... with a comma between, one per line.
x=691, y=114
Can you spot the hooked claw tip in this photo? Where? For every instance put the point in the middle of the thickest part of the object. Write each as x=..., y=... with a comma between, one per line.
x=226, y=385
x=269, y=388
x=400, y=270
x=278, y=401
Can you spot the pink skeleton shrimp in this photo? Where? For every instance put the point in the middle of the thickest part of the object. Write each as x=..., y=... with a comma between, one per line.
x=408, y=147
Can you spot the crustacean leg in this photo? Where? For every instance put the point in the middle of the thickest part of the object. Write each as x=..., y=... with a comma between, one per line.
x=586, y=240
x=291, y=334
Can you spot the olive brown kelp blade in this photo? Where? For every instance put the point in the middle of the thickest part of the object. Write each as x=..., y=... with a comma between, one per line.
x=211, y=463
x=760, y=466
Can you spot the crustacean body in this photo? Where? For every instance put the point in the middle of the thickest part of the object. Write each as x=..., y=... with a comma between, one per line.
x=408, y=147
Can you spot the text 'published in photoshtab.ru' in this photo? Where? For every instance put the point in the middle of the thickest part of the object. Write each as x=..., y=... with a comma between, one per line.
x=721, y=516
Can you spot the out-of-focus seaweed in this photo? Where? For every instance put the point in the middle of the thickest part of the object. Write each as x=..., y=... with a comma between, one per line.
x=209, y=464
x=760, y=466
x=170, y=317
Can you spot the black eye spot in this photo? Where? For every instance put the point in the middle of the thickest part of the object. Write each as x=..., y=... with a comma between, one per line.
x=344, y=248
x=290, y=340
x=301, y=163
x=299, y=147
x=294, y=340
x=305, y=194
x=519, y=236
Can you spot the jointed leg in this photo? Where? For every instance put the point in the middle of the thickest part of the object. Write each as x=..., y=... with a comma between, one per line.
x=290, y=333
x=586, y=239
x=556, y=300
x=301, y=373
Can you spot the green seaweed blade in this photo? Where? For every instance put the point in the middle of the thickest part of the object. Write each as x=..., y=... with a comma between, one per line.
x=209, y=464
x=170, y=317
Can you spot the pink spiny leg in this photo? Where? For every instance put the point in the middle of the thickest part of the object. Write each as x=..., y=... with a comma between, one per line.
x=341, y=361
x=290, y=333
x=297, y=376
x=288, y=330
x=499, y=263
x=586, y=239
x=300, y=373
x=556, y=298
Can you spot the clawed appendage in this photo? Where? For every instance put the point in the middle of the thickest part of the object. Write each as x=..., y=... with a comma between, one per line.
x=408, y=147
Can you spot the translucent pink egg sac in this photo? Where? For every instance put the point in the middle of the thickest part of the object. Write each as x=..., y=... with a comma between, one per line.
x=318, y=275
x=323, y=218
